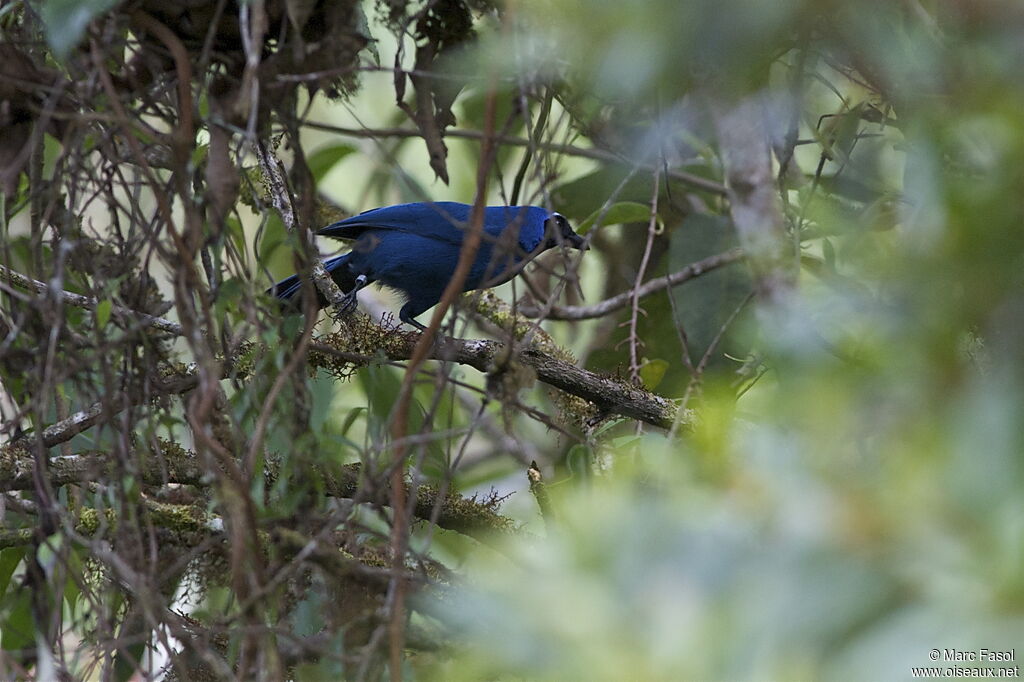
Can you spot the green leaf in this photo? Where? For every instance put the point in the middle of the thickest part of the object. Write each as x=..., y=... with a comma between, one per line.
x=622, y=212
x=703, y=305
x=652, y=372
x=324, y=159
x=270, y=243
x=351, y=418
x=615, y=182
x=579, y=459
x=382, y=386
x=66, y=21
x=18, y=628
x=625, y=444
x=71, y=591
x=103, y=309
x=199, y=155
x=9, y=560
x=309, y=614
x=231, y=289
x=841, y=133
x=321, y=389
x=829, y=252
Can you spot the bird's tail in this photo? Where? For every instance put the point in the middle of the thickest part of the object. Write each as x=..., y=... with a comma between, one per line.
x=287, y=289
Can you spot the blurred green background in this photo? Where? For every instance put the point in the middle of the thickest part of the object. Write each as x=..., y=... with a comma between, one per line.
x=862, y=502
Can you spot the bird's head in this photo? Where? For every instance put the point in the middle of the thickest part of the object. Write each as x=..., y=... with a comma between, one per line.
x=558, y=231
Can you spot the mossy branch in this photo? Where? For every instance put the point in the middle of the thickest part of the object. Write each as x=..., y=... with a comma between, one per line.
x=173, y=464
x=338, y=352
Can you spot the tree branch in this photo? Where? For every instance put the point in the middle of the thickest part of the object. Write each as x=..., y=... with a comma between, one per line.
x=754, y=204
x=174, y=464
x=89, y=302
x=282, y=201
x=610, y=395
x=691, y=271
x=65, y=429
x=695, y=181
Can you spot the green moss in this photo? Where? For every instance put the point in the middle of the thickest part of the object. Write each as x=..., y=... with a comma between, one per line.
x=12, y=457
x=89, y=521
x=468, y=515
x=573, y=409
x=488, y=305
x=173, y=450
x=359, y=343
x=180, y=518
x=245, y=359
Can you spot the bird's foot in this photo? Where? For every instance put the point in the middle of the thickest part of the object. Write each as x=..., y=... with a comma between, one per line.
x=349, y=302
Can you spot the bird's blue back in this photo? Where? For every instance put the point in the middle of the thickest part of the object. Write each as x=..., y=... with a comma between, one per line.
x=414, y=248
x=445, y=221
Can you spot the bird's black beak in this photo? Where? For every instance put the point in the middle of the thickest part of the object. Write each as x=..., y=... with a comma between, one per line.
x=560, y=232
x=577, y=242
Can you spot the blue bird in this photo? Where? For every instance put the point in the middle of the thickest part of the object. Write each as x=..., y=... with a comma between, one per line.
x=414, y=248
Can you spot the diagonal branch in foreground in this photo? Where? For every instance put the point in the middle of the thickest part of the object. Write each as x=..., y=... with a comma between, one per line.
x=609, y=305
x=89, y=302
x=66, y=429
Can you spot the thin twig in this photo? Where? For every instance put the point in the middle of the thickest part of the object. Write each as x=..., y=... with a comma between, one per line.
x=691, y=271
x=89, y=302
x=540, y=493
x=634, y=339
x=399, y=424
x=282, y=201
x=695, y=181
x=698, y=373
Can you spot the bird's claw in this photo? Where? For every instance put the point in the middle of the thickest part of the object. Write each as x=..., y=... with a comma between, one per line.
x=348, y=303
x=345, y=307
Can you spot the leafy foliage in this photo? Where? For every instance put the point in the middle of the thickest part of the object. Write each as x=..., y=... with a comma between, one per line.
x=766, y=427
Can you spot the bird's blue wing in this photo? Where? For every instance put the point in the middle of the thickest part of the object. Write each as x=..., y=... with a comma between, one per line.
x=443, y=221
x=435, y=220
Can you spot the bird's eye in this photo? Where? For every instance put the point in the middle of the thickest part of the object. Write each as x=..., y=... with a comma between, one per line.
x=563, y=225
